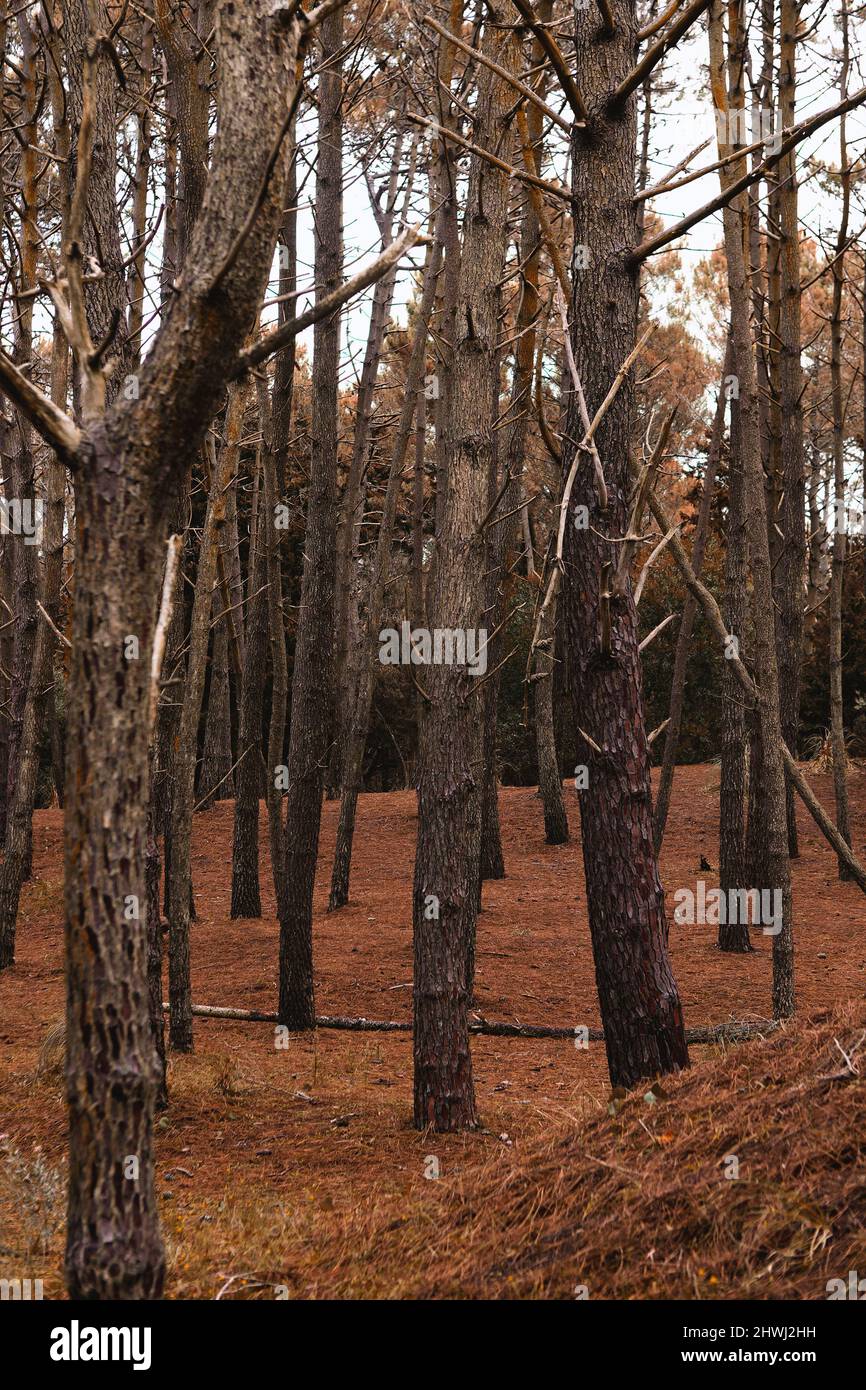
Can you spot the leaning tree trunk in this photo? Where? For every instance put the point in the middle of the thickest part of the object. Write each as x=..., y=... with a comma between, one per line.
x=360, y=692
x=350, y=506
x=640, y=1005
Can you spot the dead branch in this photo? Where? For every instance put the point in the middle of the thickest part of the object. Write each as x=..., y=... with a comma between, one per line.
x=799, y=132
x=557, y=62
x=717, y=1033
x=283, y=335
x=506, y=76
x=654, y=55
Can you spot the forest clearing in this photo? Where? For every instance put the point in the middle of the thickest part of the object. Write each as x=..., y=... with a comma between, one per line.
x=296, y=1167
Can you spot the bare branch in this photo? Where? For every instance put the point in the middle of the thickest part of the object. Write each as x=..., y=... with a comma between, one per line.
x=493, y=159
x=654, y=55
x=331, y=303
x=558, y=63
x=659, y=23
x=506, y=76
x=797, y=133
x=49, y=420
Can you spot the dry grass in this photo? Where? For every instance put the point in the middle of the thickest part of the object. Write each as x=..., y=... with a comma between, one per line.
x=633, y=1201
x=51, y=1062
x=634, y=1204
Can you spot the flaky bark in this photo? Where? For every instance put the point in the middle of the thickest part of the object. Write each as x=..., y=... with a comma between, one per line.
x=125, y=467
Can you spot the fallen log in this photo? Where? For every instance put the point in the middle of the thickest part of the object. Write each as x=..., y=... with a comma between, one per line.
x=734, y=1031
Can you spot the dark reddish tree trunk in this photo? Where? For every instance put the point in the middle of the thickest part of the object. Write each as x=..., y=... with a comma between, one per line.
x=640, y=1005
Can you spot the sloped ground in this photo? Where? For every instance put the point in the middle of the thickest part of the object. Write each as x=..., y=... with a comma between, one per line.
x=298, y=1170
x=745, y=1179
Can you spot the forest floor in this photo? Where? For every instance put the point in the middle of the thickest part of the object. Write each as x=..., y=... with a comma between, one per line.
x=281, y=1172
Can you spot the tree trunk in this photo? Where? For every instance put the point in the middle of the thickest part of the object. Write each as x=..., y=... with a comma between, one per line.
x=684, y=636
x=733, y=789
x=549, y=779
x=246, y=895
x=445, y=898
x=840, y=536
x=349, y=521
x=640, y=1006
x=125, y=467
x=180, y=888
x=312, y=679
x=114, y=1248
x=360, y=694
x=792, y=562
x=772, y=808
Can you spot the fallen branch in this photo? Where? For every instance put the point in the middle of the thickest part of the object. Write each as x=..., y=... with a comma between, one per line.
x=720, y=1032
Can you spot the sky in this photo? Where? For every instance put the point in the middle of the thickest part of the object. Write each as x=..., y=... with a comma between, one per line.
x=681, y=122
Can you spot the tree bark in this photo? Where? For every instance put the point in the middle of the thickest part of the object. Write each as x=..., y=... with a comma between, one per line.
x=840, y=535
x=768, y=722
x=180, y=888
x=246, y=894
x=312, y=679
x=124, y=468
x=792, y=562
x=640, y=1006
x=447, y=861
x=684, y=636
x=733, y=789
